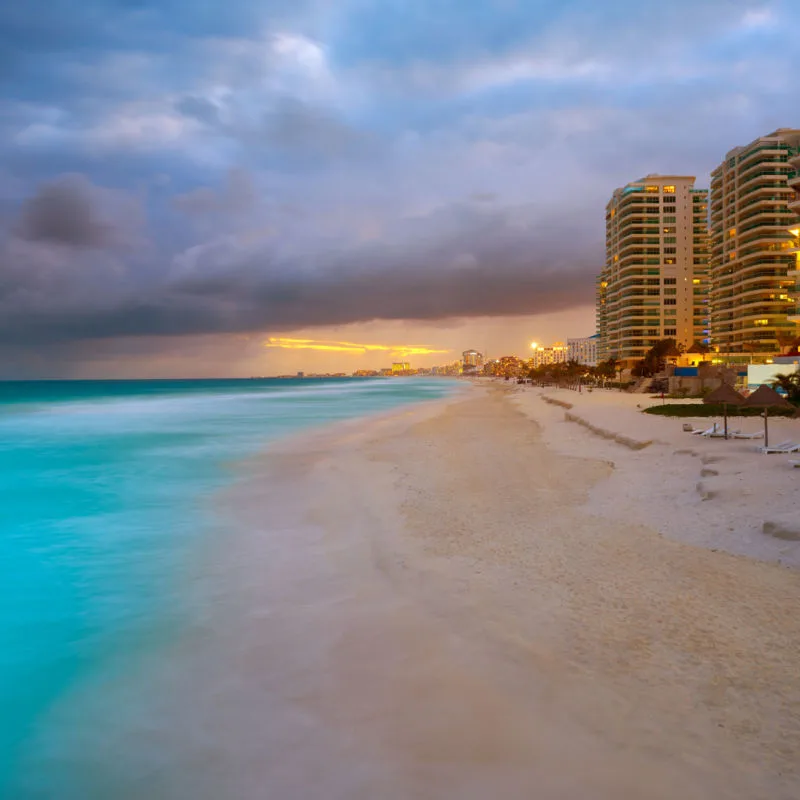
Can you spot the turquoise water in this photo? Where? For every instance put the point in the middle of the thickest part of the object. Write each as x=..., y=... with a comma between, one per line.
x=101, y=501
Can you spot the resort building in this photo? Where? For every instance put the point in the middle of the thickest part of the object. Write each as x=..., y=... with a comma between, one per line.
x=556, y=354
x=472, y=361
x=583, y=350
x=401, y=368
x=655, y=281
x=754, y=203
x=793, y=272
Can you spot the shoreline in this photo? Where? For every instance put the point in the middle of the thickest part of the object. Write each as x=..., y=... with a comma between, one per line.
x=433, y=603
x=473, y=624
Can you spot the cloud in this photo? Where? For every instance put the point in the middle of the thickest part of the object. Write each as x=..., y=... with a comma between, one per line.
x=308, y=163
x=236, y=195
x=71, y=211
x=468, y=259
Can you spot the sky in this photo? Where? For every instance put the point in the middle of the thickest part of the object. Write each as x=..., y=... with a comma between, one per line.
x=199, y=188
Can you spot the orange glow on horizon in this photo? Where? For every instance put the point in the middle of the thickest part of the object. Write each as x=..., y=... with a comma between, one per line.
x=355, y=348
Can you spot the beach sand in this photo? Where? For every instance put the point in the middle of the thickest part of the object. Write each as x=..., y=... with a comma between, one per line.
x=460, y=615
x=473, y=598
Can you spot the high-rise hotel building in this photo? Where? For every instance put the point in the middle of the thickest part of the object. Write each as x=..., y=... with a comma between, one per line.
x=753, y=267
x=793, y=272
x=655, y=281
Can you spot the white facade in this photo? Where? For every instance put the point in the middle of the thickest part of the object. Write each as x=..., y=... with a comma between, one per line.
x=557, y=354
x=765, y=373
x=583, y=350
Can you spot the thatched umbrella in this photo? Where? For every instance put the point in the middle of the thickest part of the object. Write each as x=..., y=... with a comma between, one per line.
x=726, y=395
x=766, y=397
x=698, y=347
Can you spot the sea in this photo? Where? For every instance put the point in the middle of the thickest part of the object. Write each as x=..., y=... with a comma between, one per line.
x=104, y=497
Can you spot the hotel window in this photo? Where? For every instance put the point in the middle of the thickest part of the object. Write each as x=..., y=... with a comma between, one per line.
x=670, y=281
x=670, y=240
x=670, y=301
x=669, y=260
x=669, y=190
x=670, y=219
x=670, y=291
x=669, y=229
x=670, y=250
x=651, y=188
x=670, y=331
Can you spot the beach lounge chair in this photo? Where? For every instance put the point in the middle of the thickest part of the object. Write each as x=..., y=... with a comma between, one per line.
x=793, y=463
x=783, y=447
x=740, y=435
x=719, y=434
x=707, y=432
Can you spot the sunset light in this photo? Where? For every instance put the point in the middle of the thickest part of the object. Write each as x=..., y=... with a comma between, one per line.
x=286, y=343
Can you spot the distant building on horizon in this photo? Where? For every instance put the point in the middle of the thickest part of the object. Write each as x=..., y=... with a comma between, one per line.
x=471, y=361
x=755, y=209
x=400, y=367
x=655, y=281
x=583, y=350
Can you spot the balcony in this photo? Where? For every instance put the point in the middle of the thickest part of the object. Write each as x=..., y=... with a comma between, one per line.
x=763, y=180
x=766, y=152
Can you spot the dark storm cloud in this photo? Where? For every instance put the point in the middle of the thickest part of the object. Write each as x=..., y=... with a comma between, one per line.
x=62, y=212
x=463, y=260
x=305, y=162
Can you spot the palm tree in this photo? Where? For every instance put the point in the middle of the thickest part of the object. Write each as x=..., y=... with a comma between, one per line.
x=790, y=384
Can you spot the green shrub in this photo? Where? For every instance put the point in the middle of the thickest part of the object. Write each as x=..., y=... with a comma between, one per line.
x=712, y=410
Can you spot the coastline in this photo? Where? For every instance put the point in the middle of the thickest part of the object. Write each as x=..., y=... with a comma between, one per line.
x=455, y=617
x=430, y=603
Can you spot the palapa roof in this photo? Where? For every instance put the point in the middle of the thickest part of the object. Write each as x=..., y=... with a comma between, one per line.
x=766, y=397
x=698, y=347
x=724, y=394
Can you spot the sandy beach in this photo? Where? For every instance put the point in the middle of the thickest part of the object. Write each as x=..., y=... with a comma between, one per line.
x=473, y=605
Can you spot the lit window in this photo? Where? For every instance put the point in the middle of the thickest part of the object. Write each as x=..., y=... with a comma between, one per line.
x=669, y=190
x=651, y=188
x=695, y=281
x=732, y=232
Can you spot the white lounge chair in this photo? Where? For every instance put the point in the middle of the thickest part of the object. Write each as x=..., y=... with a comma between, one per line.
x=793, y=463
x=740, y=435
x=707, y=432
x=783, y=447
x=719, y=434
